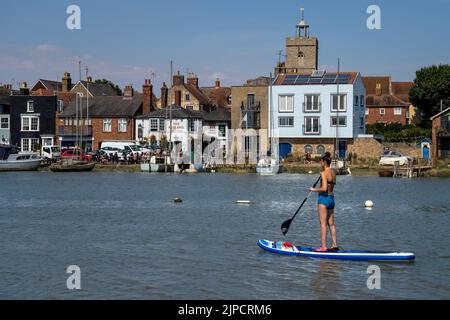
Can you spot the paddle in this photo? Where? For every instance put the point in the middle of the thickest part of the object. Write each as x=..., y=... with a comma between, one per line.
x=287, y=224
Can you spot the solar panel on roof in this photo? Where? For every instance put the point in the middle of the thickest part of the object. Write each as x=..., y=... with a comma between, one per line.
x=289, y=79
x=315, y=80
x=302, y=80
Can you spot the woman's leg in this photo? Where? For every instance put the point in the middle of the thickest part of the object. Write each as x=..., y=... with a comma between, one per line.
x=332, y=226
x=322, y=211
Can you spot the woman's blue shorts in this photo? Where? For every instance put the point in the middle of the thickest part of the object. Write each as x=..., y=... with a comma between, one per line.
x=327, y=200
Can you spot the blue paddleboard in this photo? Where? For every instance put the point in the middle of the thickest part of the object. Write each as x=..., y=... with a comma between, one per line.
x=287, y=248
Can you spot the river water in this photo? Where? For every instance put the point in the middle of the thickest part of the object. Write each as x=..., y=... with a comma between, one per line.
x=131, y=241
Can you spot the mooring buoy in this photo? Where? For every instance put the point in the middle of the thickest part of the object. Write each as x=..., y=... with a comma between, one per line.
x=177, y=200
x=368, y=204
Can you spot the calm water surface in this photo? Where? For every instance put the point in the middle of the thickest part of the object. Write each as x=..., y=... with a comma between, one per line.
x=132, y=242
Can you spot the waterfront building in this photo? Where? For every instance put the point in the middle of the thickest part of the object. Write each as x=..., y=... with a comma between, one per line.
x=93, y=89
x=191, y=132
x=249, y=119
x=174, y=124
x=312, y=114
x=105, y=118
x=5, y=107
x=388, y=101
x=441, y=135
x=32, y=120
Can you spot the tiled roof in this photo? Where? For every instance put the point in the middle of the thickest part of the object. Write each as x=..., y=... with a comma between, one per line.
x=99, y=89
x=51, y=85
x=385, y=100
x=219, y=96
x=370, y=83
x=4, y=99
x=401, y=90
x=220, y=114
x=198, y=94
x=100, y=107
x=177, y=113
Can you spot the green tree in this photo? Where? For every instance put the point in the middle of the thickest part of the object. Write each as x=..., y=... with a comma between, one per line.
x=432, y=84
x=114, y=86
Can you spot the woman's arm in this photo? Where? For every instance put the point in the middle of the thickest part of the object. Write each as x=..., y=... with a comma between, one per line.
x=323, y=186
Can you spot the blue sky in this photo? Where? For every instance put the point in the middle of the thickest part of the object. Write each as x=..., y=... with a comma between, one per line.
x=125, y=41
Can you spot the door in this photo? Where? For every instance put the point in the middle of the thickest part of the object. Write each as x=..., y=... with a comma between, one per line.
x=285, y=150
x=342, y=149
x=426, y=152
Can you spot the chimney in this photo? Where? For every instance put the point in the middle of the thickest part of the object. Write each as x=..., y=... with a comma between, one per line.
x=178, y=80
x=164, y=95
x=24, y=91
x=66, y=82
x=128, y=92
x=89, y=79
x=192, y=80
x=217, y=83
x=147, y=90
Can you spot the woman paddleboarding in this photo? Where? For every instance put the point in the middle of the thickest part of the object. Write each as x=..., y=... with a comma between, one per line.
x=326, y=204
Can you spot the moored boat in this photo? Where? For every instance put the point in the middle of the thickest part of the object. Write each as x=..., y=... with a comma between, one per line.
x=80, y=166
x=23, y=161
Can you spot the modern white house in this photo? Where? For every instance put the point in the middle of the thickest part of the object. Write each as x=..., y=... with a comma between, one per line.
x=318, y=112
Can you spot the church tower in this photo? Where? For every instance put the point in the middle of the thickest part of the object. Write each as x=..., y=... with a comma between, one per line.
x=302, y=51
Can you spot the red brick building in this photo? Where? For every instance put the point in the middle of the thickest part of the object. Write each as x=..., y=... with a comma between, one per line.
x=110, y=118
x=387, y=101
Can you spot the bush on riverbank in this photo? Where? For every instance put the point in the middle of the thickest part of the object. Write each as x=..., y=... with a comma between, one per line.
x=396, y=132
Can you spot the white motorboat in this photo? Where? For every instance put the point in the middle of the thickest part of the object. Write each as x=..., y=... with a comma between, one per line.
x=23, y=161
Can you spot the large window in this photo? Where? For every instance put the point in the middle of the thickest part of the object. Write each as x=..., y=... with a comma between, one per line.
x=162, y=125
x=107, y=125
x=4, y=122
x=342, y=121
x=29, y=145
x=312, y=125
x=122, y=125
x=286, y=103
x=356, y=102
x=30, y=123
x=398, y=111
x=361, y=101
x=286, y=121
x=154, y=125
x=339, y=102
x=312, y=103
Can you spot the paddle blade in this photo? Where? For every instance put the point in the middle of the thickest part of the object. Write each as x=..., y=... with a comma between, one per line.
x=285, y=226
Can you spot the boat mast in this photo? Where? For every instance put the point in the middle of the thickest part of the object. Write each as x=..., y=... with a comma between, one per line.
x=336, y=147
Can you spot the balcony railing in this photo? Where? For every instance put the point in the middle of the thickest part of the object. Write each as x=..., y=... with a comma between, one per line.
x=252, y=114
x=73, y=130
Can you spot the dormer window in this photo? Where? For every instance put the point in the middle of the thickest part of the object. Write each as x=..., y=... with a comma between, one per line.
x=30, y=106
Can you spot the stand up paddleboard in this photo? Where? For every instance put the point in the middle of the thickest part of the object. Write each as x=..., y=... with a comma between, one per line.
x=287, y=248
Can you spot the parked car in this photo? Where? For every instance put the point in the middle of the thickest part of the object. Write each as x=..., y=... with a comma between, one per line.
x=75, y=153
x=389, y=157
